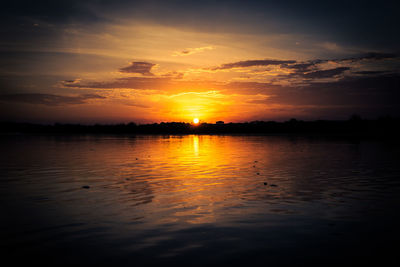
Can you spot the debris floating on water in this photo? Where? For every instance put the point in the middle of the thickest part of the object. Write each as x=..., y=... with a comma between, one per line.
x=86, y=186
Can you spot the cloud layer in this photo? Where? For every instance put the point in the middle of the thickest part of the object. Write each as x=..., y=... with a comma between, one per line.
x=299, y=87
x=49, y=99
x=252, y=63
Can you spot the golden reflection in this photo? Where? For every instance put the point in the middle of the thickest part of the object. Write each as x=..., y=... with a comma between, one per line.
x=190, y=179
x=201, y=175
x=196, y=145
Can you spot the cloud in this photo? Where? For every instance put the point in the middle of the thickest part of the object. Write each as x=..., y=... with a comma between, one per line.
x=304, y=66
x=166, y=84
x=139, y=67
x=142, y=83
x=301, y=87
x=370, y=72
x=320, y=74
x=49, y=99
x=373, y=55
x=252, y=63
x=301, y=67
x=191, y=51
x=373, y=91
x=174, y=75
x=172, y=84
x=369, y=56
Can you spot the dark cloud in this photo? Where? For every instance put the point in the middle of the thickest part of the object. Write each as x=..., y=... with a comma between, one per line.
x=55, y=12
x=374, y=55
x=141, y=83
x=374, y=91
x=301, y=67
x=167, y=84
x=311, y=69
x=319, y=74
x=370, y=72
x=304, y=67
x=163, y=85
x=353, y=23
x=49, y=99
x=143, y=68
x=252, y=63
x=371, y=56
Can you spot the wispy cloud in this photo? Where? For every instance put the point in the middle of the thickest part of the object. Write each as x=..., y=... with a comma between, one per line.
x=320, y=74
x=49, y=99
x=191, y=51
x=140, y=83
x=173, y=74
x=371, y=56
x=252, y=63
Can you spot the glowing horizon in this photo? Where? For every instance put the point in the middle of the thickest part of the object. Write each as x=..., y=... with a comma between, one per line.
x=136, y=63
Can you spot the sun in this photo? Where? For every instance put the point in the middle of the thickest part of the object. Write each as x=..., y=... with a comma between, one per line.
x=196, y=120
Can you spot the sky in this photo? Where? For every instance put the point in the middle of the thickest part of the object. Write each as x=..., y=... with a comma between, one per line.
x=152, y=61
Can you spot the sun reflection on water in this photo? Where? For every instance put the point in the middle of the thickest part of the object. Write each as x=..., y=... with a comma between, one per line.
x=196, y=145
x=171, y=194
x=182, y=179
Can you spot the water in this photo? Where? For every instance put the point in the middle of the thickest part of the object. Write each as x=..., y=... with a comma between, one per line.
x=196, y=200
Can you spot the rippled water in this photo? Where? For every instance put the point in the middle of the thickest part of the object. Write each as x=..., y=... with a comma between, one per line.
x=195, y=200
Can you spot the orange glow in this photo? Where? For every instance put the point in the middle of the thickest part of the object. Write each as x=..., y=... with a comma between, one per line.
x=177, y=77
x=180, y=83
x=191, y=184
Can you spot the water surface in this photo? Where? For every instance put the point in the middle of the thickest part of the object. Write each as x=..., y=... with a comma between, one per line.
x=196, y=200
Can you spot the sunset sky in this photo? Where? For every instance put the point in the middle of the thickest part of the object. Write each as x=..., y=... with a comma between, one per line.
x=152, y=61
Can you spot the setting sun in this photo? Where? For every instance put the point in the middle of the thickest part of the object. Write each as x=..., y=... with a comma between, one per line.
x=195, y=120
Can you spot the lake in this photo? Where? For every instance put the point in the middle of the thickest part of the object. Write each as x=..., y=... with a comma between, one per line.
x=198, y=200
